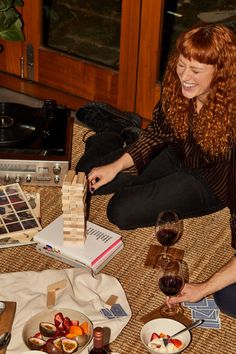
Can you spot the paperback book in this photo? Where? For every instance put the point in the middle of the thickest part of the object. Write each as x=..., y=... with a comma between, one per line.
x=101, y=245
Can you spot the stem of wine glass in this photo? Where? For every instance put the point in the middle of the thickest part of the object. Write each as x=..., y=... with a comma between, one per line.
x=171, y=311
x=165, y=252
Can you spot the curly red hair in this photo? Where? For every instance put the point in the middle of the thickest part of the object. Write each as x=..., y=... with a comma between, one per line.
x=215, y=127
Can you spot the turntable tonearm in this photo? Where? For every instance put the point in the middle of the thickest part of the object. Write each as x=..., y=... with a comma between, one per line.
x=35, y=143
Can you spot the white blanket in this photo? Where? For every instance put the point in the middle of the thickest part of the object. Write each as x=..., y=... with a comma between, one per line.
x=84, y=293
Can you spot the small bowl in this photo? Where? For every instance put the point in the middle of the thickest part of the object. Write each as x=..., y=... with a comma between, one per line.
x=32, y=325
x=167, y=326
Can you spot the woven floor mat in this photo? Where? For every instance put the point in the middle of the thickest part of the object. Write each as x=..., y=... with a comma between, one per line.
x=206, y=242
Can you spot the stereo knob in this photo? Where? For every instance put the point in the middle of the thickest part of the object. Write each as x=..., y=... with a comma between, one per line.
x=7, y=178
x=56, y=179
x=28, y=178
x=17, y=179
x=57, y=169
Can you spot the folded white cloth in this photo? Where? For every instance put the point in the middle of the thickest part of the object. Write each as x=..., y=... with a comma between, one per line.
x=84, y=292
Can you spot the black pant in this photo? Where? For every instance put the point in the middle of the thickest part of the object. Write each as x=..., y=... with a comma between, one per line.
x=163, y=184
x=225, y=300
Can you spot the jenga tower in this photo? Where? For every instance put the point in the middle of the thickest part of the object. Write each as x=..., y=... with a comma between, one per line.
x=74, y=191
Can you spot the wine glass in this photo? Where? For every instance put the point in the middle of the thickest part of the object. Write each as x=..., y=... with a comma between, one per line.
x=168, y=229
x=171, y=282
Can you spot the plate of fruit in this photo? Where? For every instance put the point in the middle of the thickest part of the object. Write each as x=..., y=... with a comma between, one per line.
x=58, y=331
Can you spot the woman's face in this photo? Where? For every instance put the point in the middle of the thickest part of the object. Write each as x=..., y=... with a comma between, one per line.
x=195, y=78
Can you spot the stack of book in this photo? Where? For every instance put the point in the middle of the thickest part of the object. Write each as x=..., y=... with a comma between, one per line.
x=100, y=247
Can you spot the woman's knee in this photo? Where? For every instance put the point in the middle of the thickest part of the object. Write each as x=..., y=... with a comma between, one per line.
x=116, y=213
x=225, y=300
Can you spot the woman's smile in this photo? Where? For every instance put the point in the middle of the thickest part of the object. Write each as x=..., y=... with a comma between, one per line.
x=195, y=78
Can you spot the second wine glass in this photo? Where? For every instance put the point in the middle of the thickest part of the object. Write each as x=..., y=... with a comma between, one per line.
x=168, y=229
x=171, y=282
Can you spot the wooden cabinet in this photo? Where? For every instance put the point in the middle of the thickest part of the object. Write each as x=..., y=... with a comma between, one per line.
x=72, y=81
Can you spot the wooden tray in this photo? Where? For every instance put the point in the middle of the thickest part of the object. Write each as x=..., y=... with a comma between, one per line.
x=6, y=319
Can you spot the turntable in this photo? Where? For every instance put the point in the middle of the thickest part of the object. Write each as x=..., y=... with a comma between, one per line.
x=35, y=143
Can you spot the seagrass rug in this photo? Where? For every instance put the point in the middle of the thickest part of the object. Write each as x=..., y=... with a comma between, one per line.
x=205, y=241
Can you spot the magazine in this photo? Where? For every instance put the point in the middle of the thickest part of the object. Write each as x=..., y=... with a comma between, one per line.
x=18, y=221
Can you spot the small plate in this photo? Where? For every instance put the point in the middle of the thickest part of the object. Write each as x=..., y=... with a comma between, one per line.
x=32, y=325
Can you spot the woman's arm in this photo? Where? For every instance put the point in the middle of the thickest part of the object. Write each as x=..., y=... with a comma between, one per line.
x=195, y=292
x=99, y=176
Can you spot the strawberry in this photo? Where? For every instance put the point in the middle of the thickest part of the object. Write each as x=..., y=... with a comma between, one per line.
x=66, y=323
x=177, y=343
x=58, y=319
x=154, y=336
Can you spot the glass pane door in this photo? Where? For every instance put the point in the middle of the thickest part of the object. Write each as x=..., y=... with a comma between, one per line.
x=180, y=15
x=87, y=29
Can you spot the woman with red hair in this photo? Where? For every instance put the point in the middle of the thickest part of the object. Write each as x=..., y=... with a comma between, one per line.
x=185, y=159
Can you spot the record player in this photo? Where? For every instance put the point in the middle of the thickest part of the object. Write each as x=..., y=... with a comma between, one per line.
x=35, y=143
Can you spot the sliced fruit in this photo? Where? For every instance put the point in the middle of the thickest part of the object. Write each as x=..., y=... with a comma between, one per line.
x=85, y=327
x=58, y=319
x=77, y=330
x=69, y=345
x=51, y=348
x=71, y=335
x=177, y=343
x=47, y=329
x=162, y=335
x=66, y=323
x=57, y=343
x=59, y=333
x=36, y=343
x=154, y=336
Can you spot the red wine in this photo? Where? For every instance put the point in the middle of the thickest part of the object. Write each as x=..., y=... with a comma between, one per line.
x=167, y=237
x=170, y=285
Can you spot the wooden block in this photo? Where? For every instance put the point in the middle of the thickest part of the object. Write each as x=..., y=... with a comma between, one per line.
x=69, y=177
x=79, y=181
x=77, y=233
x=76, y=204
x=73, y=242
x=76, y=223
x=111, y=300
x=78, y=210
x=73, y=226
x=51, y=292
x=73, y=217
x=74, y=236
x=81, y=178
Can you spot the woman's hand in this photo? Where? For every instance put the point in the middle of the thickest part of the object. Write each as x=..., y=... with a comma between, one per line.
x=99, y=176
x=190, y=293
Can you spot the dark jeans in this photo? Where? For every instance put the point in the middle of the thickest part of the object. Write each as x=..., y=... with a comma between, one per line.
x=225, y=300
x=163, y=184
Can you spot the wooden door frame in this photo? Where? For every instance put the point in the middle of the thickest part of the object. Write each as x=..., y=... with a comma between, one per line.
x=148, y=88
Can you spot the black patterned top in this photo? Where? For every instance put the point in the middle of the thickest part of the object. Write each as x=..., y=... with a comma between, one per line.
x=219, y=172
